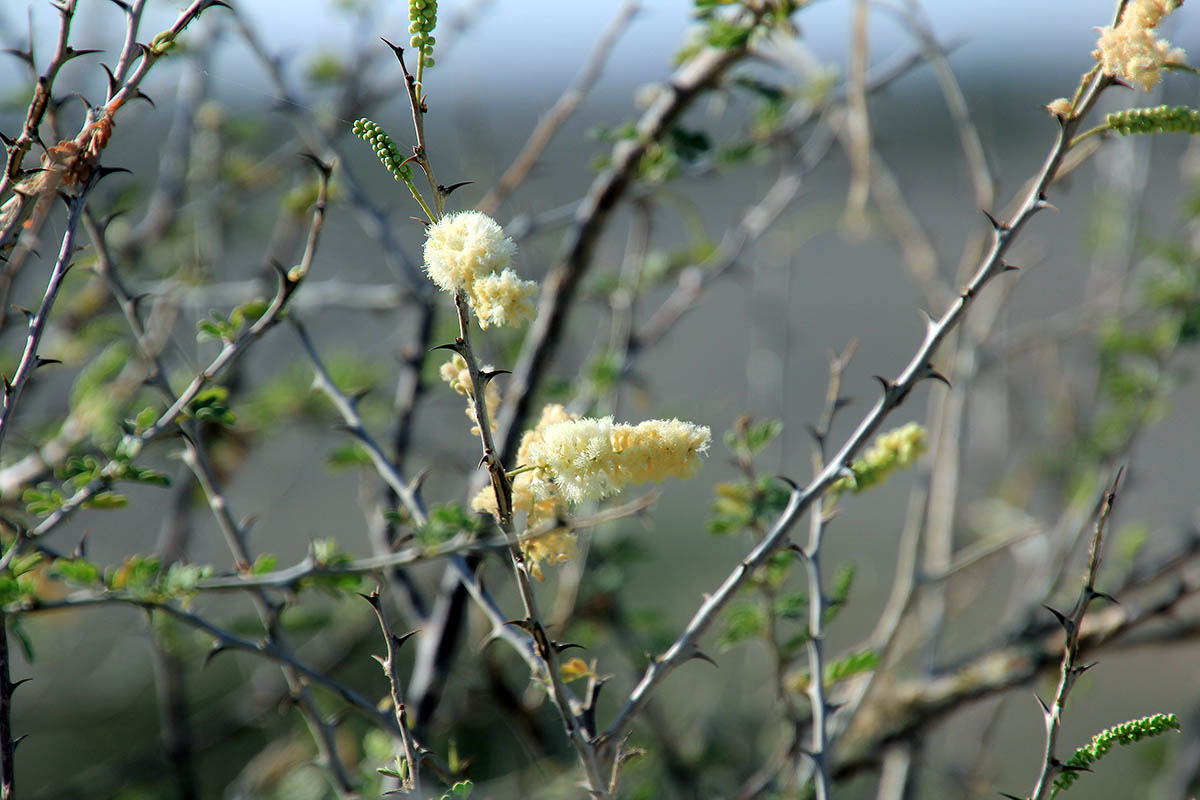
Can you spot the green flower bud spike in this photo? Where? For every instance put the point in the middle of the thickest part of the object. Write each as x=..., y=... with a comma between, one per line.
x=422, y=19
x=390, y=156
x=1126, y=733
x=1160, y=119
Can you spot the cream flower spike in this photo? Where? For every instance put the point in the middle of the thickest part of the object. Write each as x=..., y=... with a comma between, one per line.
x=588, y=458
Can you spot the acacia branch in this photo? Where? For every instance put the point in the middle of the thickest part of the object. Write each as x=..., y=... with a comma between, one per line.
x=894, y=393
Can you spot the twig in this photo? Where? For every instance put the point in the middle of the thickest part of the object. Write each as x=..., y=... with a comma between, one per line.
x=560, y=112
x=817, y=609
x=412, y=782
x=1070, y=670
x=30, y=360
x=8, y=745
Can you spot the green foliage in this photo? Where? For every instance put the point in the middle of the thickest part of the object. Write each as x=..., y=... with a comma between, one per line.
x=43, y=500
x=289, y=396
x=749, y=438
x=850, y=665
x=1123, y=734
x=93, y=402
x=349, y=456
x=328, y=554
x=742, y=620
x=227, y=329
x=210, y=406
x=77, y=570
x=447, y=521
x=746, y=504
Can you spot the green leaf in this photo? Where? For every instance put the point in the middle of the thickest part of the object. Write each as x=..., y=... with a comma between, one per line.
x=263, y=564
x=853, y=664
x=107, y=501
x=742, y=621
x=349, y=455
x=78, y=570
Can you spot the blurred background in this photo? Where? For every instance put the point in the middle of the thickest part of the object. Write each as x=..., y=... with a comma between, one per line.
x=756, y=343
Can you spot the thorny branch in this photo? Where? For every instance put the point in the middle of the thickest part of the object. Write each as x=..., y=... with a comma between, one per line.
x=894, y=393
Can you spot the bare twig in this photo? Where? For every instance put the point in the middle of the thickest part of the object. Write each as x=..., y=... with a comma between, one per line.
x=30, y=359
x=560, y=112
x=1071, y=669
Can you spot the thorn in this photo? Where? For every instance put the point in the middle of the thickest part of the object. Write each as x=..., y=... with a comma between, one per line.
x=104, y=172
x=841, y=402
x=26, y=56
x=697, y=653
x=380, y=660
x=397, y=51
x=13, y=686
x=1082, y=669
x=372, y=598
x=325, y=169
x=1008, y=267
x=41, y=362
x=568, y=646
x=447, y=190
x=27, y=312
x=887, y=385
x=1119, y=82
x=817, y=438
x=1063, y=621
x=121, y=4
x=1042, y=703
x=791, y=483
x=997, y=225
x=1094, y=595
x=112, y=79
x=71, y=52
x=523, y=624
x=927, y=371
x=215, y=650
x=18, y=740
x=415, y=484
x=930, y=324
x=8, y=141
x=398, y=641
x=81, y=548
x=455, y=346
x=358, y=396
x=1043, y=204
x=1012, y=796
x=140, y=95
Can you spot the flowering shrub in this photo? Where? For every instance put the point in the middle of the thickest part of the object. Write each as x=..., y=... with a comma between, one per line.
x=528, y=532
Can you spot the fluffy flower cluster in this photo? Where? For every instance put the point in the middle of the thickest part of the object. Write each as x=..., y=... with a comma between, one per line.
x=1129, y=49
x=592, y=458
x=547, y=538
x=578, y=459
x=893, y=450
x=455, y=373
x=469, y=252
